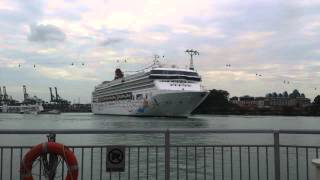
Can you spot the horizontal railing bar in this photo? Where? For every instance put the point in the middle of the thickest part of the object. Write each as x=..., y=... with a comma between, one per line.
x=154, y=146
x=174, y=146
x=90, y=146
x=299, y=131
x=81, y=131
x=222, y=131
x=158, y=131
x=220, y=145
x=245, y=131
x=298, y=146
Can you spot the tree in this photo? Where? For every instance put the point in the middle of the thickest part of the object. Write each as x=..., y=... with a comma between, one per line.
x=234, y=98
x=285, y=94
x=217, y=101
x=217, y=98
x=316, y=100
x=302, y=95
x=295, y=93
x=274, y=94
x=269, y=95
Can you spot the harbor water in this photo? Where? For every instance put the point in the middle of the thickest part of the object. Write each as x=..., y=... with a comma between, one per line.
x=90, y=121
x=220, y=153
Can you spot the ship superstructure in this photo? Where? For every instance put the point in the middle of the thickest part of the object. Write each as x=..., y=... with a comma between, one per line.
x=155, y=92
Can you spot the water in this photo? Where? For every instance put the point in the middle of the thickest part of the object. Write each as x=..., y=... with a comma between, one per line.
x=89, y=121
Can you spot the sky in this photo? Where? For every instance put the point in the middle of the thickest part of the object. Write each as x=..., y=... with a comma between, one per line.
x=266, y=43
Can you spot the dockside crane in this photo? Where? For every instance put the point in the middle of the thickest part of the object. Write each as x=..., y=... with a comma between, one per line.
x=28, y=99
x=6, y=99
x=57, y=95
x=5, y=95
x=1, y=96
x=56, y=102
x=52, y=99
x=25, y=94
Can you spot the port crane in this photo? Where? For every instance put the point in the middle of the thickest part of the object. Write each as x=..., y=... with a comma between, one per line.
x=56, y=102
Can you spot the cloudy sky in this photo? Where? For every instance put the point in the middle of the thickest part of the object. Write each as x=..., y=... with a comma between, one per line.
x=279, y=40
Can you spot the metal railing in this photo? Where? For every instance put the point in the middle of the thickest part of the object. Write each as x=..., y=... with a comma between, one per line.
x=269, y=161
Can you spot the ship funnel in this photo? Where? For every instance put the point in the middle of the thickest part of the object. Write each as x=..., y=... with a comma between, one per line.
x=118, y=74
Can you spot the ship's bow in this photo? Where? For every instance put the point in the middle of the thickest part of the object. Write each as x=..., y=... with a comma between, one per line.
x=177, y=104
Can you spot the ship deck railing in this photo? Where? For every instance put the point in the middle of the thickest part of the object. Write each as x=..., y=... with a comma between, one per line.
x=173, y=160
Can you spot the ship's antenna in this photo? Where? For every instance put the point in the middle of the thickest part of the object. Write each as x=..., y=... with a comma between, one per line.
x=192, y=52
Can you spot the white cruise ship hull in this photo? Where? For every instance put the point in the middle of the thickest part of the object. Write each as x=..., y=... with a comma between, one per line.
x=167, y=103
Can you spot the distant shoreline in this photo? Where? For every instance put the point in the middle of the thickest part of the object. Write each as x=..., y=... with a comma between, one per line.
x=260, y=114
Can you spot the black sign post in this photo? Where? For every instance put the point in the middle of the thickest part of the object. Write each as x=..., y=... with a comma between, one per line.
x=115, y=158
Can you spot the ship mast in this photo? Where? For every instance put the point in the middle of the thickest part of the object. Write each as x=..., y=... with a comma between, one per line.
x=156, y=59
x=192, y=52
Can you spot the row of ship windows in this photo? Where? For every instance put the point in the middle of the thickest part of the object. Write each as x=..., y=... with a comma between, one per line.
x=183, y=85
x=126, y=89
x=118, y=81
x=121, y=86
x=125, y=96
x=176, y=81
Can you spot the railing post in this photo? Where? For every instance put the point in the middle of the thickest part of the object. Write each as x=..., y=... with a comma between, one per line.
x=167, y=154
x=276, y=141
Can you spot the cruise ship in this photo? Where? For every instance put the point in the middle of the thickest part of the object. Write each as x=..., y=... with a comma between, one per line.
x=158, y=91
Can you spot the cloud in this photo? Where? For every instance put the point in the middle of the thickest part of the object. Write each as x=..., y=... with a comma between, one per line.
x=278, y=39
x=194, y=30
x=46, y=33
x=110, y=41
x=11, y=63
x=7, y=5
x=311, y=27
x=149, y=38
x=67, y=73
x=252, y=40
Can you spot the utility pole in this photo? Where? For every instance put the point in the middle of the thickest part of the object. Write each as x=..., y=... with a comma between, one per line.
x=192, y=52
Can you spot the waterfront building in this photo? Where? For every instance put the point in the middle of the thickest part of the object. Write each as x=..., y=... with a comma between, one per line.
x=295, y=99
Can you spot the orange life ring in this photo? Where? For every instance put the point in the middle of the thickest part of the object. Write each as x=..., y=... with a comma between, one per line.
x=54, y=148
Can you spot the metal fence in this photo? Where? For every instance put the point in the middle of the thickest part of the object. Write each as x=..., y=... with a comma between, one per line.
x=272, y=161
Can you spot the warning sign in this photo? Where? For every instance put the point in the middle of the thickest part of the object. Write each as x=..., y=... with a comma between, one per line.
x=115, y=158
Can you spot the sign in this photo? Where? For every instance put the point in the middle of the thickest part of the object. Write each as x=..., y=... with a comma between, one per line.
x=115, y=158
